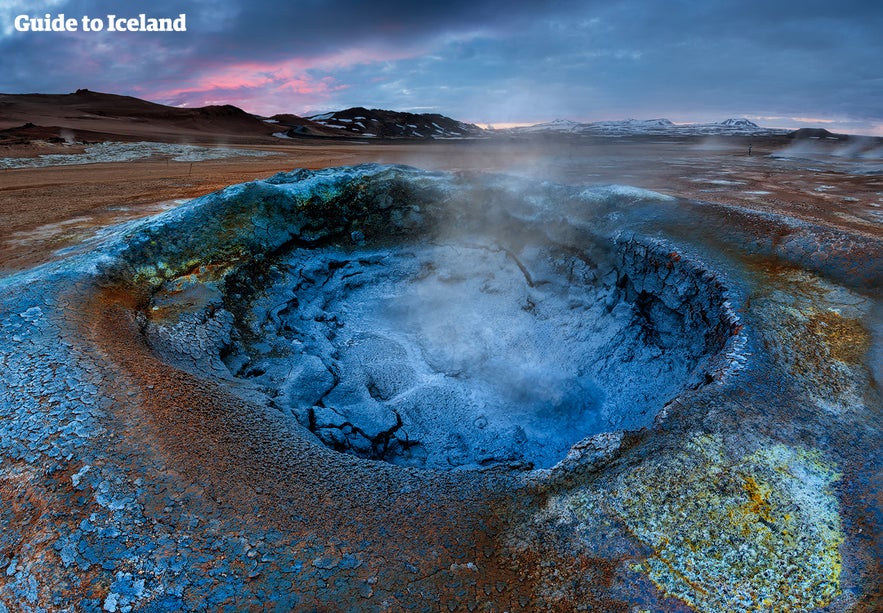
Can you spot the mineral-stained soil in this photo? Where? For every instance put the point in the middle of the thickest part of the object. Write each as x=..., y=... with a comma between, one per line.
x=45, y=209
x=175, y=392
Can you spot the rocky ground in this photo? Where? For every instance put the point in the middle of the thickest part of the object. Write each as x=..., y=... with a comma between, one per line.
x=176, y=392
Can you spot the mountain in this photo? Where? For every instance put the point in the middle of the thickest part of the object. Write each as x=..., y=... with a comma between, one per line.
x=378, y=123
x=557, y=125
x=816, y=134
x=291, y=126
x=89, y=115
x=633, y=126
x=639, y=127
x=738, y=123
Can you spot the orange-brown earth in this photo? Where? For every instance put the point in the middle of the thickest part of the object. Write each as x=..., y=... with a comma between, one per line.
x=45, y=209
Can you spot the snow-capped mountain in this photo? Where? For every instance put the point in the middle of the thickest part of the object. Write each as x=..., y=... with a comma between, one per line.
x=378, y=123
x=637, y=127
x=739, y=123
x=557, y=125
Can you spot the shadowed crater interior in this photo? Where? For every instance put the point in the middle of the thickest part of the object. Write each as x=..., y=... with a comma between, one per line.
x=434, y=320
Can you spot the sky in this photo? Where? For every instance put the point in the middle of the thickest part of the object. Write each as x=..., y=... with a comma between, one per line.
x=779, y=63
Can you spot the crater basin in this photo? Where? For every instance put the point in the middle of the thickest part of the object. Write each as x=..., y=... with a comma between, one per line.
x=452, y=322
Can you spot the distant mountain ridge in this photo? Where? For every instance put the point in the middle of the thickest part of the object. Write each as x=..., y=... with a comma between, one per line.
x=816, y=134
x=738, y=123
x=87, y=116
x=636, y=127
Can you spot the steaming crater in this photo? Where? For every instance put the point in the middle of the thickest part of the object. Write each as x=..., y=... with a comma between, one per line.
x=438, y=321
x=461, y=353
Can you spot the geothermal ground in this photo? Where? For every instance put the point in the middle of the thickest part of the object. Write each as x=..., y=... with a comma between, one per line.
x=496, y=384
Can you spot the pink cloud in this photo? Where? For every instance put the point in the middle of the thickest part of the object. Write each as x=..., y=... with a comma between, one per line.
x=875, y=129
x=272, y=87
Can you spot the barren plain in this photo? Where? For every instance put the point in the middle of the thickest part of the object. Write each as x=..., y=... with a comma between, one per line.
x=50, y=207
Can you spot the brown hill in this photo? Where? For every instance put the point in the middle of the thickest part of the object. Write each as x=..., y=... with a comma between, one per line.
x=128, y=118
x=87, y=116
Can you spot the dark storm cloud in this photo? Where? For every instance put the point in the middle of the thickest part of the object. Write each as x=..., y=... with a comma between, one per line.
x=479, y=60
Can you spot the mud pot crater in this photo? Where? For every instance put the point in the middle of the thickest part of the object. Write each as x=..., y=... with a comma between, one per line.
x=437, y=321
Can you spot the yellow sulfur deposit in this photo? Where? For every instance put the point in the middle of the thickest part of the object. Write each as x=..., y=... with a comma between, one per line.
x=758, y=533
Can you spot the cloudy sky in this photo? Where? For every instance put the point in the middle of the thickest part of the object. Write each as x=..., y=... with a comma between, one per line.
x=781, y=63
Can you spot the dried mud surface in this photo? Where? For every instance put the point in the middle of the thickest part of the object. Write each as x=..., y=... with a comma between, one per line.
x=132, y=481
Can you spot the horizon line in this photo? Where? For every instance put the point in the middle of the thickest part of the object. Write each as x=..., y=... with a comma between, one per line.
x=875, y=130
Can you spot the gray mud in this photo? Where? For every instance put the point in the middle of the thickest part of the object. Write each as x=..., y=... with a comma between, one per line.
x=441, y=334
